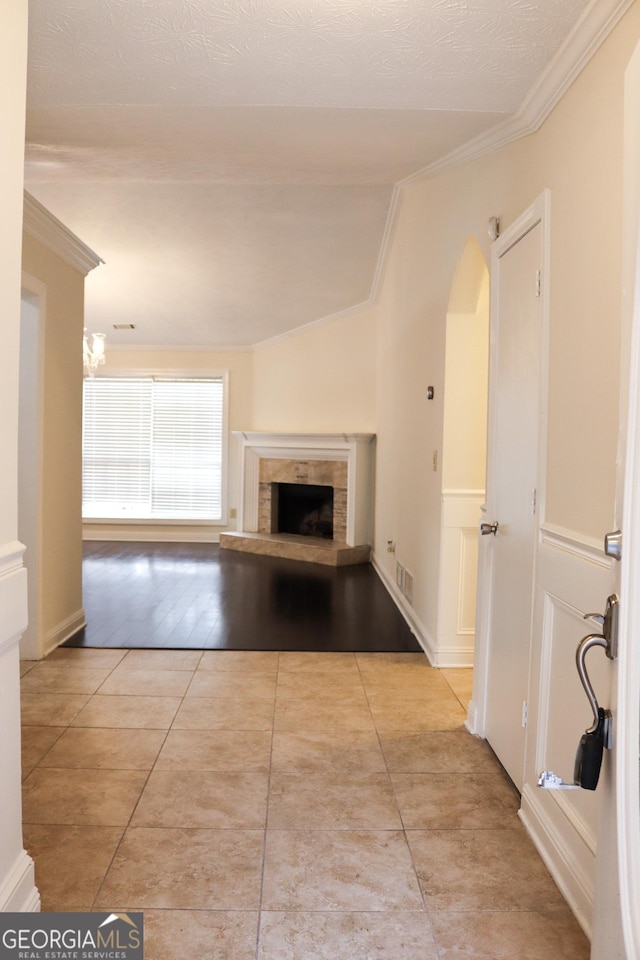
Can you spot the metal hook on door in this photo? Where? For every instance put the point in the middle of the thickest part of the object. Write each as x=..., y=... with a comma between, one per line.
x=598, y=736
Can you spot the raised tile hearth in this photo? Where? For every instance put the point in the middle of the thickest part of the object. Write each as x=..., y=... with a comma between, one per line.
x=342, y=463
x=292, y=547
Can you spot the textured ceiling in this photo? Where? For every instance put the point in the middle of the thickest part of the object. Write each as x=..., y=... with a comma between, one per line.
x=233, y=160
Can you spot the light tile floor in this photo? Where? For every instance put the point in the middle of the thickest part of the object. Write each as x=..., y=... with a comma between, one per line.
x=280, y=806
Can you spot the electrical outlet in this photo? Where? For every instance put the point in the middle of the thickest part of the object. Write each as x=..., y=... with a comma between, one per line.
x=435, y=461
x=233, y=514
x=391, y=547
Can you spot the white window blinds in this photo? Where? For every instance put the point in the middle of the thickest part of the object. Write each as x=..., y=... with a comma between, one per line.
x=152, y=448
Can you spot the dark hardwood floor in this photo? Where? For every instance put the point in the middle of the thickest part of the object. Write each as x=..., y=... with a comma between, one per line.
x=196, y=596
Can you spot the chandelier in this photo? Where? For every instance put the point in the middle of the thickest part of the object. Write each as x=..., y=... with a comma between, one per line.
x=93, y=356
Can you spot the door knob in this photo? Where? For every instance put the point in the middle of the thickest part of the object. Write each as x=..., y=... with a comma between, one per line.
x=487, y=528
x=613, y=544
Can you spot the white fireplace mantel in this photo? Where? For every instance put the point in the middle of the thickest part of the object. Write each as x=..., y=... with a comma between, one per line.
x=356, y=449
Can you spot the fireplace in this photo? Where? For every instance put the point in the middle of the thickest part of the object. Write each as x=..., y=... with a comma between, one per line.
x=328, y=473
x=316, y=482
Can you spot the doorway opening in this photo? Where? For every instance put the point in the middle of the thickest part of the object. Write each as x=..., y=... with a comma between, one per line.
x=463, y=456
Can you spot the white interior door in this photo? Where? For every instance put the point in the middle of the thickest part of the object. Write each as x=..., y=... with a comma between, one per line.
x=517, y=317
x=616, y=912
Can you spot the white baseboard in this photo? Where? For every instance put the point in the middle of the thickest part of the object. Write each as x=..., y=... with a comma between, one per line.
x=574, y=883
x=63, y=631
x=461, y=656
x=413, y=622
x=18, y=892
x=471, y=723
x=452, y=656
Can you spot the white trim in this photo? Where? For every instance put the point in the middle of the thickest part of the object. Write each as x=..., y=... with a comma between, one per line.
x=461, y=656
x=385, y=245
x=572, y=878
x=627, y=772
x=36, y=292
x=470, y=495
x=18, y=893
x=10, y=640
x=11, y=555
x=40, y=224
x=13, y=594
x=471, y=723
x=460, y=517
x=63, y=631
x=356, y=449
x=576, y=544
x=589, y=33
x=551, y=641
x=414, y=623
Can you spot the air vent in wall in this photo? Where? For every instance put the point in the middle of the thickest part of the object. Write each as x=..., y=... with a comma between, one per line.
x=124, y=326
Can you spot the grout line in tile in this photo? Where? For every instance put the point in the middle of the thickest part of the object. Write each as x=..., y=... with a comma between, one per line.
x=128, y=824
x=426, y=909
x=266, y=817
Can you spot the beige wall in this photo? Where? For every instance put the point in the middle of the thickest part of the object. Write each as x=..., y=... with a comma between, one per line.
x=578, y=155
x=464, y=446
x=319, y=381
x=61, y=531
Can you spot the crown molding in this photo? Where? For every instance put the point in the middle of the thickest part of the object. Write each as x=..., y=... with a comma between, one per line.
x=52, y=233
x=591, y=30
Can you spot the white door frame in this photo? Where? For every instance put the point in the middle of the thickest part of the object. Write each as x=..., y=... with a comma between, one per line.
x=627, y=723
x=537, y=213
x=627, y=762
x=34, y=648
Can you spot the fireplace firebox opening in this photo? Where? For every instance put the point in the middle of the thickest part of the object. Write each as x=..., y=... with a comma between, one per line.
x=303, y=508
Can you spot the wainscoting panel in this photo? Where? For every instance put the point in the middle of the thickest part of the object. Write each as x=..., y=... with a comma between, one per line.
x=461, y=511
x=17, y=884
x=573, y=578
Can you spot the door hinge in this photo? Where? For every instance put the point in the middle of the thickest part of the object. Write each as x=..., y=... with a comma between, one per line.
x=538, y=283
x=534, y=502
x=525, y=713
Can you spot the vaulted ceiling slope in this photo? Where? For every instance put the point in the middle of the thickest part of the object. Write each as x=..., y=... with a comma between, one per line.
x=234, y=161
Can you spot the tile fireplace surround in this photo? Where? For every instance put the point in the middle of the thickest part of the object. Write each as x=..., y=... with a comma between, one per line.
x=344, y=461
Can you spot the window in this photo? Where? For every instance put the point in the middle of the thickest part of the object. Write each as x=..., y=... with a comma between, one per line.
x=152, y=448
